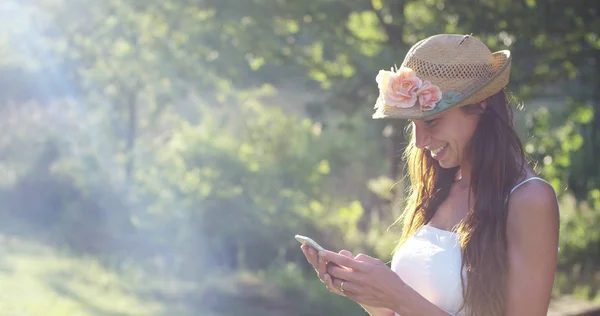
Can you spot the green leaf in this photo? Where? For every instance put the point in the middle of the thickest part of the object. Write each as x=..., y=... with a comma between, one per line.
x=583, y=114
x=377, y=4
x=121, y=48
x=352, y=213
x=323, y=167
x=256, y=63
x=530, y=3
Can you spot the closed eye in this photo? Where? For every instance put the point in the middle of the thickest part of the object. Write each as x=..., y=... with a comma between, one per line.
x=431, y=122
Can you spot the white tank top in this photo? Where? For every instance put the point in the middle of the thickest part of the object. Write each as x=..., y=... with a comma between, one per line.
x=430, y=263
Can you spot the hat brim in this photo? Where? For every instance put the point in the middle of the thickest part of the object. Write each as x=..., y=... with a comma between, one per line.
x=499, y=80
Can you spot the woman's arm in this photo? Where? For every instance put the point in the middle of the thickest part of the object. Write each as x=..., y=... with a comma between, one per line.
x=421, y=306
x=411, y=303
x=371, y=282
x=377, y=311
x=532, y=235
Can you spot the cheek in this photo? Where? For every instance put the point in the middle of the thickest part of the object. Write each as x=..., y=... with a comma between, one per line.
x=467, y=132
x=460, y=136
x=457, y=133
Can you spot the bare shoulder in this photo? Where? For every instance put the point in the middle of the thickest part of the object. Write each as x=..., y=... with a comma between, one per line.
x=532, y=248
x=533, y=211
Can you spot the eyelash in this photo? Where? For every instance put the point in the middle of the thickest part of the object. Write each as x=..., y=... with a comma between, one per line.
x=431, y=122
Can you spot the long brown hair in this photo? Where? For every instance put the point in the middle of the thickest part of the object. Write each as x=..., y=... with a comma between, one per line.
x=497, y=161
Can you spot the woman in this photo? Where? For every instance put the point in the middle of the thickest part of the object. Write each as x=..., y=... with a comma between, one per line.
x=480, y=230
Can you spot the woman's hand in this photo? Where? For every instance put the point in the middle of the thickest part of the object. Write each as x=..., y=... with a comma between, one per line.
x=320, y=266
x=367, y=280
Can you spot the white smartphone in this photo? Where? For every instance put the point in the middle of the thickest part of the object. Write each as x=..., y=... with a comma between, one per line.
x=308, y=241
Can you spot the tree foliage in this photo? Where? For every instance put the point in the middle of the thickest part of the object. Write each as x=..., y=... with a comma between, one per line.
x=208, y=132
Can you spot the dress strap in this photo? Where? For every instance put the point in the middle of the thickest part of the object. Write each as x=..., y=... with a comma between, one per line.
x=527, y=180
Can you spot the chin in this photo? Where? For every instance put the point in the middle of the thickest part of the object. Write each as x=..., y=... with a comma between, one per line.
x=447, y=165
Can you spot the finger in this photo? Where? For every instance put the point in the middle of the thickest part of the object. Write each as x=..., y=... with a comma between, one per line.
x=343, y=273
x=343, y=253
x=310, y=258
x=341, y=260
x=304, y=250
x=346, y=253
x=322, y=267
x=313, y=253
x=351, y=290
x=331, y=285
x=348, y=286
x=364, y=258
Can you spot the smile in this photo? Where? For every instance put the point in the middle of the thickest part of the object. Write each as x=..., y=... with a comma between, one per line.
x=437, y=150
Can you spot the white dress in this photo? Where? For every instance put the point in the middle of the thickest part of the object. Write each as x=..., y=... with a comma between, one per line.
x=430, y=263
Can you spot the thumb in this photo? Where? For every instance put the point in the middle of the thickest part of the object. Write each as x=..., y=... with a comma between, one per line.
x=346, y=253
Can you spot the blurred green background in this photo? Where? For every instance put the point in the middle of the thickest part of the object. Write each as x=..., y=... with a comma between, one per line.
x=158, y=156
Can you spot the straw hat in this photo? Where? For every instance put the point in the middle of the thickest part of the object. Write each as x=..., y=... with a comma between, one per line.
x=438, y=73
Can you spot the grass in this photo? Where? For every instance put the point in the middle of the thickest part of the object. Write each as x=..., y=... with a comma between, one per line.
x=39, y=280
x=36, y=279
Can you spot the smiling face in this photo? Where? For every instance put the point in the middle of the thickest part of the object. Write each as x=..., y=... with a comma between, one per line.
x=446, y=135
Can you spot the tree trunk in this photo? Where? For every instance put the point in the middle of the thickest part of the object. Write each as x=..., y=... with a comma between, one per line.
x=396, y=143
x=595, y=144
x=394, y=32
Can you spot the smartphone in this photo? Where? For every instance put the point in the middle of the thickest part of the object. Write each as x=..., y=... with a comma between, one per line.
x=308, y=241
x=315, y=245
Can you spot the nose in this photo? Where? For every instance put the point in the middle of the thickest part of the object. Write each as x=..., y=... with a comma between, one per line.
x=421, y=135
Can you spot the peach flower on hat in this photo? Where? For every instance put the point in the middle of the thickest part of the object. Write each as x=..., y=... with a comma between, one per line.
x=429, y=95
x=398, y=88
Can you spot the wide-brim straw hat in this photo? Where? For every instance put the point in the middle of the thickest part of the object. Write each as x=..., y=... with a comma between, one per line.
x=461, y=66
